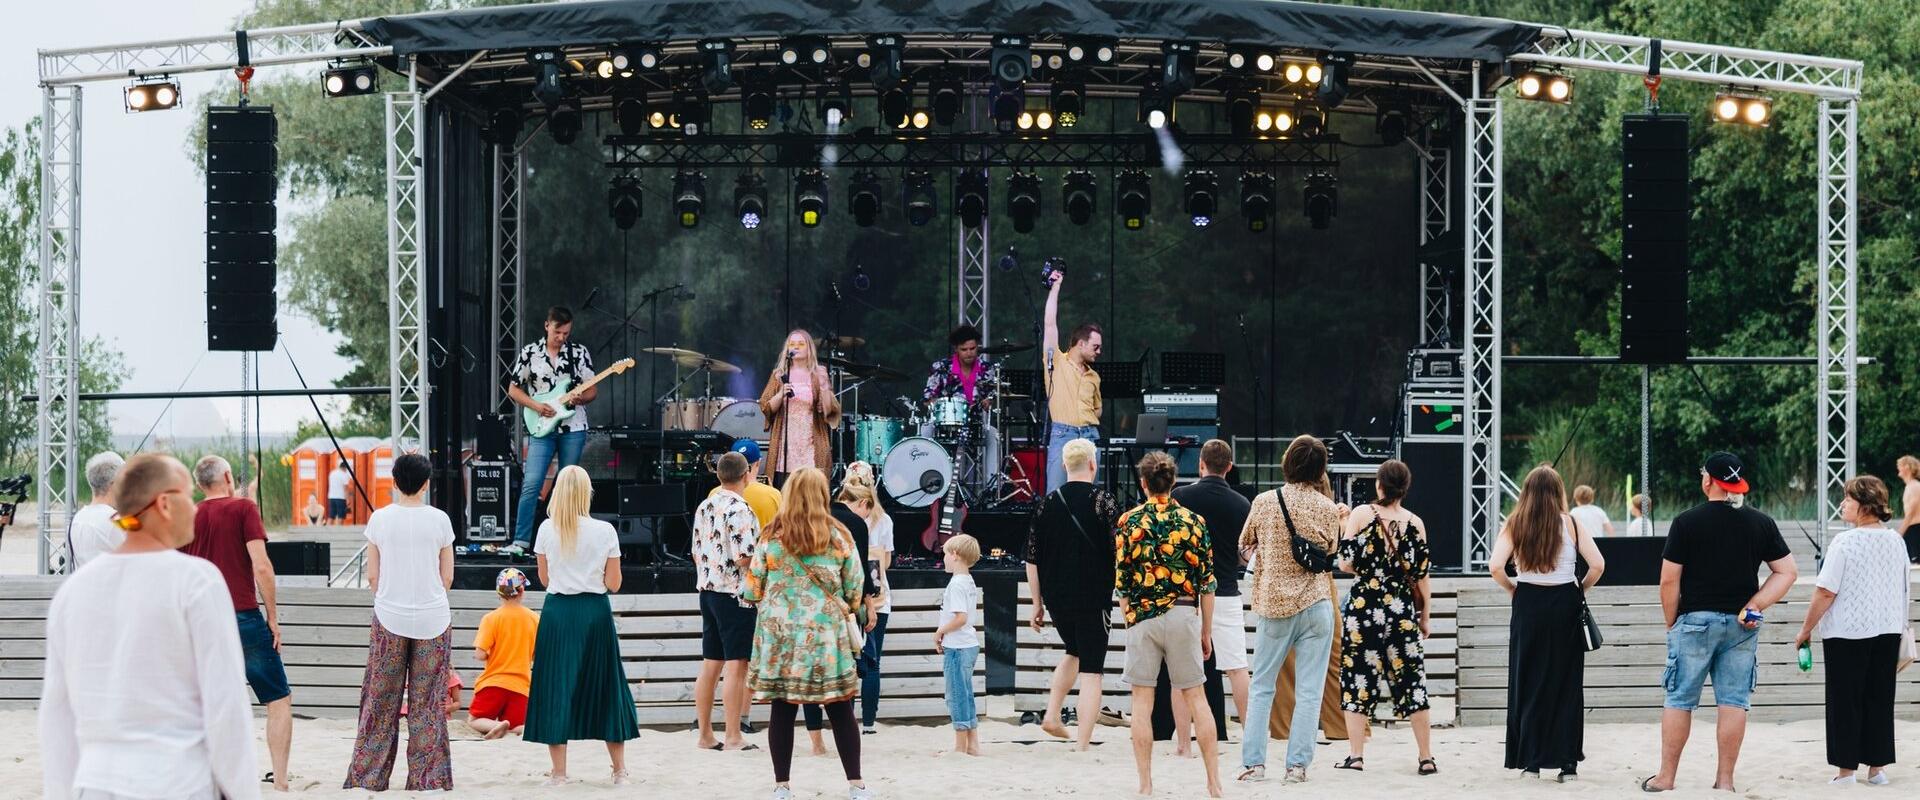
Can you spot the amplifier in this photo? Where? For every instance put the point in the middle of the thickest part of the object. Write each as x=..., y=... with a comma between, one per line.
x=489, y=498
x=299, y=558
x=1435, y=367
x=1186, y=408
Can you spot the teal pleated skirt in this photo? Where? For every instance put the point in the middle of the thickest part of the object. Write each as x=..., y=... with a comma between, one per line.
x=579, y=687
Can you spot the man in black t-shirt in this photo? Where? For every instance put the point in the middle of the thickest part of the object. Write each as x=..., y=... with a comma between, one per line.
x=1713, y=601
x=1225, y=512
x=1069, y=556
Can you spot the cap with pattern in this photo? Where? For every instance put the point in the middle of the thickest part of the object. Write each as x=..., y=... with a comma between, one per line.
x=1726, y=471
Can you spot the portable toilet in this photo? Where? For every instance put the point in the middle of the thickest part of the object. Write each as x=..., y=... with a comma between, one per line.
x=360, y=455
x=308, y=463
x=376, y=461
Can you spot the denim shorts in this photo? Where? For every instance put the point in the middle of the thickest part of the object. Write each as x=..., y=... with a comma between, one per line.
x=265, y=673
x=1703, y=643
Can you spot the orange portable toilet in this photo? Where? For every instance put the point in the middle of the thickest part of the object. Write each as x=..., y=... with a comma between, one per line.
x=360, y=459
x=308, y=464
x=378, y=463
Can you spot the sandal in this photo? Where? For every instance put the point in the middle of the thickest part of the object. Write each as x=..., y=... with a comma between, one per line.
x=1428, y=767
x=1647, y=785
x=1355, y=763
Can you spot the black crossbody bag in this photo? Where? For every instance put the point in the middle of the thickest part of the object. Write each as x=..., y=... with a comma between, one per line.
x=1311, y=557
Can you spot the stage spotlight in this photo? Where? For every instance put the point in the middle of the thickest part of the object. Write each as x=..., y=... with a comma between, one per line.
x=836, y=104
x=896, y=105
x=750, y=200
x=503, y=127
x=805, y=51
x=884, y=57
x=1332, y=90
x=691, y=112
x=346, y=79
x=1012, y=61
x=1136, y=199
x=1155, y=109
x=630, y=112
x=1043, y=119
x=1008, y=105
x=1308, y=119
x=1069, y=101
x=1176, y=68
x=756, y=104
x=1321, y=202
x=947, y=92
x=1077, y=196
x=1090, y=50
x=1202, y=197
x=970, y=197
x=549, y=86
x=563, y=121
x=689, y=196
x=864, y=200
x=1256, y=199
x=623, y=201
x=920, y=119
x=1242, y=109
x=716, y=65
x=1552, y=87
x=1023, y=200
x=1245, y=60
x=635, y=57
x=810, y=197
x=1275, y=121
x=1390, y=123
x=921, y=202
x=1301, y=75
x=1745, y=108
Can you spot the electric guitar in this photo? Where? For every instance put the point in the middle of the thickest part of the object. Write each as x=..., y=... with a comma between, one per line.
x=561, y=399
x=948, y=515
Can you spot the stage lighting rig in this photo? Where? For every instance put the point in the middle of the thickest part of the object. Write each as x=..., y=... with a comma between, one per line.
x=689, y=196
x=623, y=201
x=1552, y=87
x=864, y=199
x=1308, y=119
x=1391, y=121
x=1090, y=50
x=1256, y=199
x=1247, y=61
x=1243, y=105
x=883, y=60
x=1077, y=196
x=1008, y=105
x=1156, y=109
x=563, y=121
x=716, y=65
x=152, y=94
x=1136, y=199
x=503, y=127
x=350, y=78
x=921, y=202
x=1202, y=193
x=756, y=105
x=896, y=105
x=970, y=197
x=750, y=200
x=1321, y=202
x=630, y=112
x=691, y=111
x=947, y=93
x=810, y=197
x=1746, y=108
x=549, y=79
x=1301, y=76
x=805, y=52
x=1273, y=121
x=1012, y=61
x=1176, y=68
x=836, y=104
x=1069, y=101
x=1023, y=200
x=1332, y=90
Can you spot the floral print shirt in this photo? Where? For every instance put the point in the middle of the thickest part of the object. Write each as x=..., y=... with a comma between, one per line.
x=724, y=531
x=943, y=380
x=1162, y=553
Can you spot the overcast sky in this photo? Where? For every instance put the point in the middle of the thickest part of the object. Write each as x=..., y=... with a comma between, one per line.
x=143, y=274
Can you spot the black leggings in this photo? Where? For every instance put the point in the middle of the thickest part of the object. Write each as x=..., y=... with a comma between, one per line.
x=846, y=737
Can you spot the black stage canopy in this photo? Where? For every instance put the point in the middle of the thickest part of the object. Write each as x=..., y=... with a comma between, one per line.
x=1270, y=23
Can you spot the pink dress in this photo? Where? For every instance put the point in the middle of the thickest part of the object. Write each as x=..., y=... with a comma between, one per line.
x=800, y=406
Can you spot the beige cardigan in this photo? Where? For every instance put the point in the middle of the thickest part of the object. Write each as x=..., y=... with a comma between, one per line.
x=826, y=416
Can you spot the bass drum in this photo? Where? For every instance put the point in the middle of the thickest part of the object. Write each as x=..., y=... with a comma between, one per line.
x=741, y=419
x=917, y=472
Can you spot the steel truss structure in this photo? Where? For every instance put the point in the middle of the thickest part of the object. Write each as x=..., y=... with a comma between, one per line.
x=1436, y=219
x=1836, y=82
x=963, y=150
x=508, y=293
x=974, y=298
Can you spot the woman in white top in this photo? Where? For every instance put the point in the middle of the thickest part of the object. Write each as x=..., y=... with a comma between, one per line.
x=859, y=494
x=1859, y=609
x=579, y=686
x=1546, y=652
x=409, y=566
x=1640, y=525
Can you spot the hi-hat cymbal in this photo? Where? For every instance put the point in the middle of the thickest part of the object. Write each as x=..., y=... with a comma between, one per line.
x=1005, y=348
x=840, y=342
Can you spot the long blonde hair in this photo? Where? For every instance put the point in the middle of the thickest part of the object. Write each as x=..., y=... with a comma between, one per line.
x=805, y=524
x=572, y=497
x=1534, y=526
x=780, y=361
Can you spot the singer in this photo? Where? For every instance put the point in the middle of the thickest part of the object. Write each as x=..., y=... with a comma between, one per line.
x=799, y=397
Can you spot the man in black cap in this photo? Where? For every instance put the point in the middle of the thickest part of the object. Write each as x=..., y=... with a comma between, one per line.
x=1713, y=599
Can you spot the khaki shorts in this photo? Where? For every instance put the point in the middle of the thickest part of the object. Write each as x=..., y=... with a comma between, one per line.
x=1172, y=639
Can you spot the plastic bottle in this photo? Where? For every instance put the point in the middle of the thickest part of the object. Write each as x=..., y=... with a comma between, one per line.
x=1806, y=656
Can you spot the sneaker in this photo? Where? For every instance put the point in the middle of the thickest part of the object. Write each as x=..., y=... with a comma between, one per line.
x=782, y=793
x=1846, y=781
x=1878, y=779
x=859, y=793
x=515, y=549
x=1253, y=774
x=620, y=777
x=867, y=730
x=1295, y=775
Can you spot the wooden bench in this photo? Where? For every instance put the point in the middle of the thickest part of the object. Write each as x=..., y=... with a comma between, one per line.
x=1040, y=652
x=1623, y=678
x=324, y=644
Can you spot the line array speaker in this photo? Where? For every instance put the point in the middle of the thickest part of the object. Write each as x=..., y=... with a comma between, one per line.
x=242, y=253
x=1655, y=204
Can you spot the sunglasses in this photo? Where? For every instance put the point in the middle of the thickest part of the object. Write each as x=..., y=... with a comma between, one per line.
x=131, y=522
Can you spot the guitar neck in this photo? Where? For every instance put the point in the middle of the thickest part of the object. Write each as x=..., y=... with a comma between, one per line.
x=619, y=366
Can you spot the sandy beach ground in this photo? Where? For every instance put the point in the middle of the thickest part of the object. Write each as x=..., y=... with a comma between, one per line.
x=1779, y=761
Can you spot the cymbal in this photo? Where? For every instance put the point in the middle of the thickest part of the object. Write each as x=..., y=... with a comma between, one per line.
x=673, y=351
x=1015, y=396
x=692, y=359
x=1005, y=348
x=840, y=342
x=862, y=370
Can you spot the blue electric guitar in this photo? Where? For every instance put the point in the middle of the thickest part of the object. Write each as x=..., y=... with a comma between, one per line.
x=561, y=399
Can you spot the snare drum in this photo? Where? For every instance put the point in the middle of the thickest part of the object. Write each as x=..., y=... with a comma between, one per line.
x=693, y=413
x=916, y=472
x=948, y=413
x=874, y=435
x=742, y=419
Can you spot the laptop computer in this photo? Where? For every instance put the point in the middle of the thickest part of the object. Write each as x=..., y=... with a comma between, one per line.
x=1150, y=429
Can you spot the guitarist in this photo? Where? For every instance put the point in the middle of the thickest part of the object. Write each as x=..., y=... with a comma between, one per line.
x=540, y=368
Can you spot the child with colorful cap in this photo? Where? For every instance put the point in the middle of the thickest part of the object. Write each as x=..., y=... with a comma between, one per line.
x=505, y=644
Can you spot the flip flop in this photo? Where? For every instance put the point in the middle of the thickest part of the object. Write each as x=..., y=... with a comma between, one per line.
x=716, y=746
x=1428, y=767
x=1646, y=785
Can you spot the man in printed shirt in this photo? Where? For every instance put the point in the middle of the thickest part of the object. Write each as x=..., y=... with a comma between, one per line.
x=1163, y=569
x=965, y=372
x=724, y=532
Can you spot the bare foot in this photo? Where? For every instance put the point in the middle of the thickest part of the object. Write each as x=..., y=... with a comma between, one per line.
x=707, y=744
x=1725, y=787
x=1145, y=790
x=498, y=731
x=732, y=746
x=819, y=751
x=1213, y=789
x=1054, y=729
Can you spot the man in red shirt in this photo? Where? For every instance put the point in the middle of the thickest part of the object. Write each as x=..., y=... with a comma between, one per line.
x=227, y=531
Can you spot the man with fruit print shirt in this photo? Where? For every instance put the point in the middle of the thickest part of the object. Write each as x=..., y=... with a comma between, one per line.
x=1163, y=571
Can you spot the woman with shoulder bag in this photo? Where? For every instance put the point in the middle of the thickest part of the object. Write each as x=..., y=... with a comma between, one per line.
x=1546, y=642
x=1387, y=617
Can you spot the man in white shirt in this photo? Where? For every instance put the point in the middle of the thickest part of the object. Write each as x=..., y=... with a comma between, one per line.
x=92, y=532
x=337, y=482
x=143, y=691
x=725, y=531
x=1592, y=517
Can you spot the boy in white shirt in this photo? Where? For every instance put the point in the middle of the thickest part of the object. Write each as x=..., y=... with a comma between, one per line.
x=958, y=642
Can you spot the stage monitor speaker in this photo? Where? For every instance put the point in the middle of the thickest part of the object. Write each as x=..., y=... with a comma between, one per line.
x=489, y=500
x=299, y=558
x=652, y=499
x=242, y=189
x=1438, y=496
x=1655, y=204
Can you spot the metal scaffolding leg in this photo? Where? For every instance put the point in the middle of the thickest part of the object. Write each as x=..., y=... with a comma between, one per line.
x=406, y=264
x=1483, y=318
x=974, y=280
x=1838, y=320
x=1436, y=218
x=507, y=294
x=57, y=359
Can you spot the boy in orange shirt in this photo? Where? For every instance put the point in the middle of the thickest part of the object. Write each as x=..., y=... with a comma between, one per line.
x=505, y=644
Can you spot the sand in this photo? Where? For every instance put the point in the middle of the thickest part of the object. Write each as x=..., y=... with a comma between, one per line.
x=1779, y=761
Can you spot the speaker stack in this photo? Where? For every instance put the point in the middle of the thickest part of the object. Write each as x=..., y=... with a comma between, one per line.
x=1655, y=205
x=242, y=156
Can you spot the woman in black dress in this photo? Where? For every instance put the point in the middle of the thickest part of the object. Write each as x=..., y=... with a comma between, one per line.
x=1386, y=616
x=1546, y=652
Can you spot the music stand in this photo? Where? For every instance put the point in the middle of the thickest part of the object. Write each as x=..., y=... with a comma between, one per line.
x=1120, y=380
x=1193, y=370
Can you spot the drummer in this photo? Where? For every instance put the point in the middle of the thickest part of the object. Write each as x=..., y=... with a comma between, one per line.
x=965, y=372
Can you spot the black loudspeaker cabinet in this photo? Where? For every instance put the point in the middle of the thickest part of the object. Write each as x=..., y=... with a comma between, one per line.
x=1655, y=204
x=1437, y=495
x=242, y=189
x=299, y=558
x=489, y=500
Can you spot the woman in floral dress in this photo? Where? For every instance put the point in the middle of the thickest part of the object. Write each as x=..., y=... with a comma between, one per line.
x=1384, y=546
x=806, y=577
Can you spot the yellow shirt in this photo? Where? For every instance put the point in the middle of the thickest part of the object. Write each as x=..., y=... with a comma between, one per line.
x=507, y=634
x=1073, y=393
x=763, y=499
